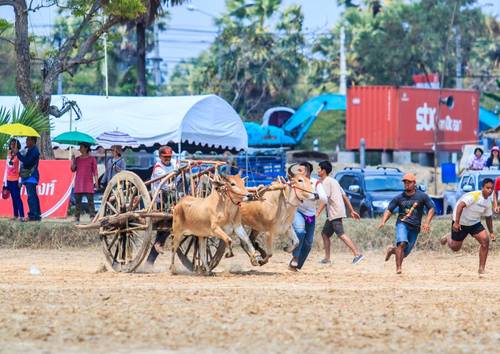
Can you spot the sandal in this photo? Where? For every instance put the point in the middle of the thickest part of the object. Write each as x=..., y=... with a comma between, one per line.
x=325, y=261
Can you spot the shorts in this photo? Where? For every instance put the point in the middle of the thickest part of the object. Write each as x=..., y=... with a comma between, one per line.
x=333, y=226
x=466, y=230
x=407, y=234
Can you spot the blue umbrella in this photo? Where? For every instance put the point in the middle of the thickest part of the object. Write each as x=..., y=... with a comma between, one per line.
x=109, y=139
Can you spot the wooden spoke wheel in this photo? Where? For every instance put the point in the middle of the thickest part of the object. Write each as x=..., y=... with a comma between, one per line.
x=126, y=244
x=193, y=250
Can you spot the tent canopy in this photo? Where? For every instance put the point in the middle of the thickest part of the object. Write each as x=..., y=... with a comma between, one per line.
x=201, y=120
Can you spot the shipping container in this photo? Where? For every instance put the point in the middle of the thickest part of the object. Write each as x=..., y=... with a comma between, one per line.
x=403, y=118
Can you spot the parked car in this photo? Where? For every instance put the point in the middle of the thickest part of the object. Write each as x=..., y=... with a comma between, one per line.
x=370, y=189
x=469, y=181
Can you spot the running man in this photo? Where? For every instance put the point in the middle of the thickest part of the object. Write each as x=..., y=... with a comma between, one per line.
x=335, y=211
x=411, y=204
x=467, y=220
x=305, y=218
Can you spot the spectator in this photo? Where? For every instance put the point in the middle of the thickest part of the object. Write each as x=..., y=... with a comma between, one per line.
x=231, y=168
x=85, y=167
x=12, y=180
x=30, y=176
x=478, y=160
x=493, y=161
x=114, y=165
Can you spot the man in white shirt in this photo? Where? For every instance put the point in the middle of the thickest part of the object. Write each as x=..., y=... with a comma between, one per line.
x=467, y=220
x=161, y=168
x=305, y=218
x=335, y=212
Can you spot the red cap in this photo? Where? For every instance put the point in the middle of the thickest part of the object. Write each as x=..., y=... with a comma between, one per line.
x=165, y=151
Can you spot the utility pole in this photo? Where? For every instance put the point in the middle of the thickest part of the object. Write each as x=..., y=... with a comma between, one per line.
x=343, y=66
x=458, y=66
x=59, y=77
x=157, y=60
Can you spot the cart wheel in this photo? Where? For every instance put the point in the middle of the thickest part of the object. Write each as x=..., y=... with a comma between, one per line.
x=125, y=246
x=191, y=253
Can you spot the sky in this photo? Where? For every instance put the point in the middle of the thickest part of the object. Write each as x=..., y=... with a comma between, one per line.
x=190, y=32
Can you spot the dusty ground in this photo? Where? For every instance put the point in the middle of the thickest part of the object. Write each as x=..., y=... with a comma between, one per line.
x=439, y=304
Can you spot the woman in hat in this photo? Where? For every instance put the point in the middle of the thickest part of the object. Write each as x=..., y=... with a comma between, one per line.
x=85, y=167
x=12, y=181
x=478, y=161
x=493, y=161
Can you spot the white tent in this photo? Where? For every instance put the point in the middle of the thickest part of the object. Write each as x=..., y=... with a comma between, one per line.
x=206, y=120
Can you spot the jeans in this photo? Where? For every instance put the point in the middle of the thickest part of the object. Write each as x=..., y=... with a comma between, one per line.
x=15, y=194
x=404, y=233
x=305, y=233
x=33, y=202
x=78, y=204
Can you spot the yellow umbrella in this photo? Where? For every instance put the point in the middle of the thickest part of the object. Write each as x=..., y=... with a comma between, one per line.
x=18, y=129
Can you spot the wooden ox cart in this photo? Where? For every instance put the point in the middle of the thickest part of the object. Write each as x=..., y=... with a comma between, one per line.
x=130, y=216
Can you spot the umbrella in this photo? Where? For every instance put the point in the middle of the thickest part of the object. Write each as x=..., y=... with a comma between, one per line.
x=74, y=138
x=108, y=139
x=18, y=129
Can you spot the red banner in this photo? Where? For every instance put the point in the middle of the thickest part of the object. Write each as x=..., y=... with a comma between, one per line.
x=54, y=189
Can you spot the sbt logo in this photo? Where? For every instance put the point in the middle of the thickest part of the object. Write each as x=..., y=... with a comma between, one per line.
x=426, y=116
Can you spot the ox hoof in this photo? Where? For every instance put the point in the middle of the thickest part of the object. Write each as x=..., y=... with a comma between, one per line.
x=262, y=262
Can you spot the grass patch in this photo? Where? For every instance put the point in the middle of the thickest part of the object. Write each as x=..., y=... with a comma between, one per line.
x=45, y=234
x=55, y=235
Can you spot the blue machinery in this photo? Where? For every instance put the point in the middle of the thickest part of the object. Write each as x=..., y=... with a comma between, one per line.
x=296, y=126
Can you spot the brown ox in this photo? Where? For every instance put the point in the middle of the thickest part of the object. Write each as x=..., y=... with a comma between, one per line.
x=274, y=214
x=216, y=215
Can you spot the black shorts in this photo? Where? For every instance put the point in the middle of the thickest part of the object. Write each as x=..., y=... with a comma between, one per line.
x=466, y=230
x=333, y=226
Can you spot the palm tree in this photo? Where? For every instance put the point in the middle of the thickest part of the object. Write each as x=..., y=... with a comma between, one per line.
x=154, y=9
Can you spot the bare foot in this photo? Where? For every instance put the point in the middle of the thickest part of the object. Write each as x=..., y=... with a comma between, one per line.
x=443, y=240
x=390, y=251
x=399, y=271
x=159, y=248
x=481, y=271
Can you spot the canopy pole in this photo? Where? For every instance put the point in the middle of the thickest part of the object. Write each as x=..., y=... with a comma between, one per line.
x=179, y=147
x=70, y=129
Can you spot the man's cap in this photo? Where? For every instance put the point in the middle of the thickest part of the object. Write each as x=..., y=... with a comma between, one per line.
x=409, y=177
x=165, y=151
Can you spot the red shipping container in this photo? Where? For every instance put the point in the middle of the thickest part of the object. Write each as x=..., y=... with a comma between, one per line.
x=403, y=118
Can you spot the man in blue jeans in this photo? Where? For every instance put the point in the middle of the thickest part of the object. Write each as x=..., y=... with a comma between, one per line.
x=29, y=162
x=411, y=205
x=304, y=221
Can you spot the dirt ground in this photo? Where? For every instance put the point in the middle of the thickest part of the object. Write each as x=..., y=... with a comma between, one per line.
x=439, y=304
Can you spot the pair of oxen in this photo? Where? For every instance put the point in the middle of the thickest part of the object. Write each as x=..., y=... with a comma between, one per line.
x=268, y=212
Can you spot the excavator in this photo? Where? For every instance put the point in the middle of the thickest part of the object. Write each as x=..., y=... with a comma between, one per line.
x=284, y=127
